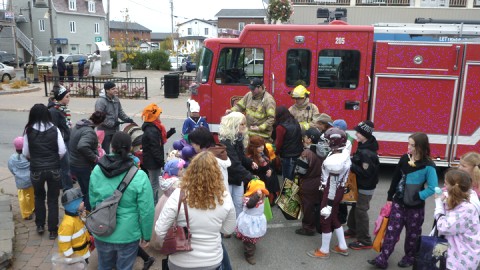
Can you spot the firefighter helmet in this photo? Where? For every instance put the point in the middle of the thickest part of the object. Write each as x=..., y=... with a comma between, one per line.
x=336, y=137
x=300, y=92
x=71, y=195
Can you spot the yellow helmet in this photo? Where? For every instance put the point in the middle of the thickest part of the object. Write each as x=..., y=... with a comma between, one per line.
x=300, y=92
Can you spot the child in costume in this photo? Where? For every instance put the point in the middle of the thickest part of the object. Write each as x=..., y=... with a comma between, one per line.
x=252, y=223
x=195, y=120
x=19, y=166
x=73, y=236
x=335, y=171
x=101, y=137
x=258, y=152
x=457, y=219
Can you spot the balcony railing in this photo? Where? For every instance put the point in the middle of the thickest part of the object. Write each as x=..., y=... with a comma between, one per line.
x=322, y=2
x=383, y=2
x=457, y=3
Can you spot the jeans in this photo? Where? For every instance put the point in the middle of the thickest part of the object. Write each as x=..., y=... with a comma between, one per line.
x=153, y=176
x=288, y=167
x=83, y=178
x=237, y=196
x=226, y=259
x=106, y=142
x=65, y=170
x=118, y=256
x=358, y=220
x=52, y=178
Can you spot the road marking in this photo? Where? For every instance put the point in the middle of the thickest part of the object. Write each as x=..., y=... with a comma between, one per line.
x=283, y=225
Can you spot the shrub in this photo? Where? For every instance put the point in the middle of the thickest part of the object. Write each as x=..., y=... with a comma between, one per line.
x=159, y=60
x=18, y=84
x=140, y=60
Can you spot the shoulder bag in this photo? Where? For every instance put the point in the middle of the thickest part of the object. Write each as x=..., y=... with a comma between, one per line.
x=103, y=220
x=178, y=238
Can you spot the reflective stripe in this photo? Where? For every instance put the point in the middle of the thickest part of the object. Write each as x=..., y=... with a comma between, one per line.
x=64, y=238
x=79, y=233
x=68, y=252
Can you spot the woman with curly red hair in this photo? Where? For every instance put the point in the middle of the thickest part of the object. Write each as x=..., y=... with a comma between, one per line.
x=210, y=210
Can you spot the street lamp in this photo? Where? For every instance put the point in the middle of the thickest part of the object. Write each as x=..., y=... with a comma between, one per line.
x=43, y=4
x=35, y=68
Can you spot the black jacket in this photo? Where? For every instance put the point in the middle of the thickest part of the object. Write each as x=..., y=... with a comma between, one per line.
x=292, y=141
x=83, y=145
x=153, y=148
x=43, y=149
x=365, y=164
x=59, y=119
x=237, y=172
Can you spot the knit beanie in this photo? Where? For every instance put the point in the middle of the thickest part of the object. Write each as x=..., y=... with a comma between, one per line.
x=172, y=167
x=365, y=128
x=60, y=93
x=194, y=106
x=108, y=85
x=72, y=207
x=18, y=143
x=151, y=112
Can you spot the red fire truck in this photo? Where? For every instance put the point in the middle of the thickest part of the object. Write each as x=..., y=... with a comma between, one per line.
x=402, y=86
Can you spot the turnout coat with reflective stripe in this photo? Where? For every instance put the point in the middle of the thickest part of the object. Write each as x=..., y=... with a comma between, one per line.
x=73, y=237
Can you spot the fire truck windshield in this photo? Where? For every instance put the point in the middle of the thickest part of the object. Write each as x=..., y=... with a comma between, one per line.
x=205, y=65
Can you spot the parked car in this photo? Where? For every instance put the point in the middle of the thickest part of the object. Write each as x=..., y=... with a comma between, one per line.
x=173, y=62
x=6, y=72
x=10, y=59
x=44, y=61
x=188, y=65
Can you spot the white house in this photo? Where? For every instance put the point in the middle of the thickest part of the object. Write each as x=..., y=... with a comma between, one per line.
x=192, y=33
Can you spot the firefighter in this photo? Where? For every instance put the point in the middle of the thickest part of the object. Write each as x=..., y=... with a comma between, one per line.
x=259, y=108
x=303, y=110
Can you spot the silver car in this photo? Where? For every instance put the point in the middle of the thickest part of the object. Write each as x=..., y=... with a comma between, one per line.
x=6, y=72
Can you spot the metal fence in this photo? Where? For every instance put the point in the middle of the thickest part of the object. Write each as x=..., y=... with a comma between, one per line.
x=134, y=88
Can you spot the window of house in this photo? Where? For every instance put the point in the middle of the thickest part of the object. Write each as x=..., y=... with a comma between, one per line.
x=73, y=27
x=97, y=28
x=206, y=31
x=338, y=69
x=91, y=6
x=298, y=67
x=41, y=25
x=252, y=22
x=189, y=31
x=239, y=65
x=241, y=25
x=72, y=4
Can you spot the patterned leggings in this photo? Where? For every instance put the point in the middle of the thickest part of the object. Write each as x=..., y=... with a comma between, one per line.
x=401, y=216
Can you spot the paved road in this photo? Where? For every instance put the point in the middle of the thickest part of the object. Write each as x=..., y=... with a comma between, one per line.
x=281, y=248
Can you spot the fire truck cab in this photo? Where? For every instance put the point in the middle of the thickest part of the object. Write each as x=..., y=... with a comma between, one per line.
x=403, y=87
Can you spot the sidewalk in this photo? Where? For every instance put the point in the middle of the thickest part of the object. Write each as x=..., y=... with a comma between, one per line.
x=33, y=251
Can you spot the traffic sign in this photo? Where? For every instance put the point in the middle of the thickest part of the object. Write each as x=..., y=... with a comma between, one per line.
x=98, y=39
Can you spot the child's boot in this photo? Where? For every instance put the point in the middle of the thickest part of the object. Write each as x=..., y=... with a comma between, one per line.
x=249, y=251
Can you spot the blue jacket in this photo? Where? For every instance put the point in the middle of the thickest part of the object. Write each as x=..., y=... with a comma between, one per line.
x=189, y=125
x=19, y=165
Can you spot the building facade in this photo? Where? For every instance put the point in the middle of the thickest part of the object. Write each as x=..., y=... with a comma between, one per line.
x=192, y=33
x=232, y=21
x=131, y=32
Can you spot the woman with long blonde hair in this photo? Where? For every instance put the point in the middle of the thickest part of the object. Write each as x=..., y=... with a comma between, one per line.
x=210, y=212
x=470, y=163
x=233, y=128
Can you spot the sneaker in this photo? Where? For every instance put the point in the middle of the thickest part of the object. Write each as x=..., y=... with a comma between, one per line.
x=357, y=245
x=374, y=263
x=302, y=231
x=40, y=229
x=316, y=253
x=404, y=264
x=340, y=251
x=251, y=260
x=53, y=235
x=349, y=234
x=148, y=263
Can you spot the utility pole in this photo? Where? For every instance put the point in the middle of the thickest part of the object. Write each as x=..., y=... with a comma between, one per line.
x=34, y=64
x=108, y=22
x=171, y=15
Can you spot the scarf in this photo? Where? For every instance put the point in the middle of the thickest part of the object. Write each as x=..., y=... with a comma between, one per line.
x=161, y=127
x=66, y=111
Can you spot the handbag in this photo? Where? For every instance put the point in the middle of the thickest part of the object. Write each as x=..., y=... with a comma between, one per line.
x=178, y=238
x=378, y=241
x=289, y=200
x=102, y=221
x=350, y=195
x=431, y=252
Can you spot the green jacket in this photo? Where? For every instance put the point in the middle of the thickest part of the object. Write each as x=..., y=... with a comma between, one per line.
x=135, y=211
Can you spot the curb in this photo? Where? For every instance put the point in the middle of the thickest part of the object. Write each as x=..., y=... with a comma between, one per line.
x=14, y=92
x=7, y=229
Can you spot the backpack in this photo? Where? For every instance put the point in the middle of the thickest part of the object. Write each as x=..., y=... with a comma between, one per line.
x=103, y=220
